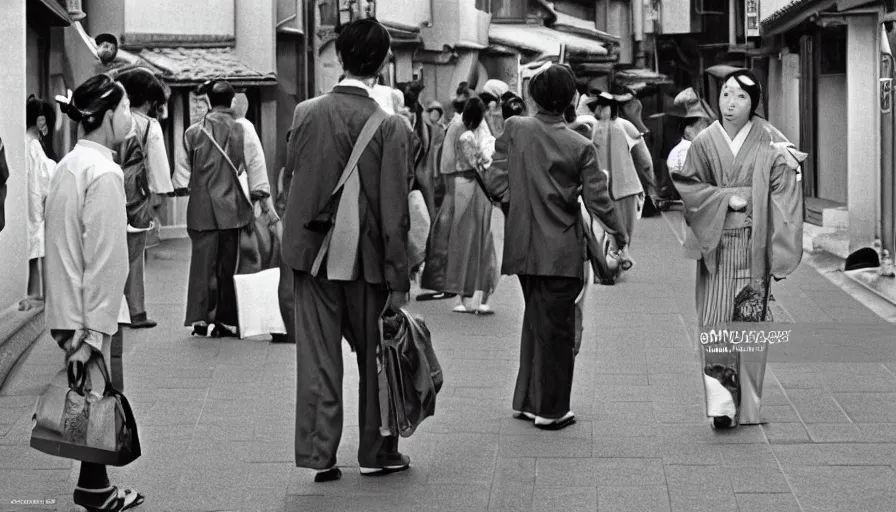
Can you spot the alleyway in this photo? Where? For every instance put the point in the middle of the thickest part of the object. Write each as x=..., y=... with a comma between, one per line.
x=216, y=417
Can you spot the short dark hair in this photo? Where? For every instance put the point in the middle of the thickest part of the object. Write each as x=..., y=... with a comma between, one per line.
x=106, y=38
x=142, y=87
x=363, y=45
x=554, y=88
x=512, y=105
x=474, y=112
x=36, y=107
x=220, y=93
x=92, y=99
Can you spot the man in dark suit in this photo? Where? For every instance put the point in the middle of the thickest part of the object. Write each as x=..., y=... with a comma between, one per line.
x=324, y=131
x=217, y=210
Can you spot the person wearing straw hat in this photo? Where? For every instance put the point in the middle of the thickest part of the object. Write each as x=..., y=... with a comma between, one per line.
x=694, y=120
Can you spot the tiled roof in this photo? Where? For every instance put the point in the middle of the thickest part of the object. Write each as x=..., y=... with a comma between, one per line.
x=542, y=40
x=196, y=65
x=793, y=9
x=565, y=22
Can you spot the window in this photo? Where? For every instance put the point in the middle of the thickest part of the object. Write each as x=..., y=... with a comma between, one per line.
x=581, y=11
x=833, y=50
x=328, y=14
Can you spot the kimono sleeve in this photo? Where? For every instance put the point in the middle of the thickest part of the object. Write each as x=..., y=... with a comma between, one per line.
x=184, y=168
x=256, y=167
x=596, y=195
x=705, y=204
x=105, y=252
x=496, y=177
x=158, y=170
x=786, y=223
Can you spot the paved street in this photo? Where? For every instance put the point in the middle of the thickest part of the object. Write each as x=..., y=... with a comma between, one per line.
x=216, y=417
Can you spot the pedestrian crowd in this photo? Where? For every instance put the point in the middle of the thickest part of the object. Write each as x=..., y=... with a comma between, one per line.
x=368, y=169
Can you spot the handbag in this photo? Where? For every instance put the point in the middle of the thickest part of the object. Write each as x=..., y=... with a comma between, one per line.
x=601, y=249
x=72, y=422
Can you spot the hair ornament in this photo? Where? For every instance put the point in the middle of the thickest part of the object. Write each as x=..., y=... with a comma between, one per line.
x=68, y=108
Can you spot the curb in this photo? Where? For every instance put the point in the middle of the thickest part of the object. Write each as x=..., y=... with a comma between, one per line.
x=18, y=332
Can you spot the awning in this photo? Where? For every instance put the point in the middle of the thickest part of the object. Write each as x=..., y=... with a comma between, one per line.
x=192, y=66
x=567, y=23
x=792, y=15
x=542, y=40
x=639, y=78
x=50, y=12
x=403, y=35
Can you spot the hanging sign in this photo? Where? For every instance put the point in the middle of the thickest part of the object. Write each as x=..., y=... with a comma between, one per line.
x=751, y=11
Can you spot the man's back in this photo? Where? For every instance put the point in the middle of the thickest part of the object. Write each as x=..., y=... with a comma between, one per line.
x=323, y=135
x=216, y=199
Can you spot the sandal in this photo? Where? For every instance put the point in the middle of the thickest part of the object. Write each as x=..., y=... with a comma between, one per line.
x=117, y=499
x=435, y=296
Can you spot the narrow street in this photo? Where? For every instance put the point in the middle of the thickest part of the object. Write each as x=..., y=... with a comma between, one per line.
x=216, y=416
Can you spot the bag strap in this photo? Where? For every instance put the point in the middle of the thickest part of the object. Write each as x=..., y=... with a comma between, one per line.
x=220, y=149
x=364, y=138
x=370, y=127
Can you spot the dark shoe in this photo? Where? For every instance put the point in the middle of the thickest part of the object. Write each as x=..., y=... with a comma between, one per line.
x=328, y=475
x=111, y=498
x=525, y=416
x=392, y=463
x=435, y=296
x=722, y=422
x=223, y=332
x=280, y=338
x=141, y=322
x=199, y=330
x=559, y=424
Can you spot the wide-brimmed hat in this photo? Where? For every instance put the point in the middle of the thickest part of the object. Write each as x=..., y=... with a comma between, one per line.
x=604, y=98
x=688, y=105
x=435, y=105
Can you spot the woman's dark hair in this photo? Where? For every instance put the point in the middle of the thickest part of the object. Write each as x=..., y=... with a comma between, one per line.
x=142, y=86
x=569, y=115
x=36, y=107
x=750, y=84
x=462, y=95
x=553, y=88
x=603, y=101
x=487, y=98
x=91, y=100
x=474, y=111
x=363, y=45
x=106, y=38
x=512, y=105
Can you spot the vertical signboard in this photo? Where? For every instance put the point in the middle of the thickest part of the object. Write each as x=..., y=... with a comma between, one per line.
x=751, y=11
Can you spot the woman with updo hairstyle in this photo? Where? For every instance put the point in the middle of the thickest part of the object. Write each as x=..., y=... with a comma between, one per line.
x=471, y=268
x=548, y=168
x=87, y=255
x=39, y=169
x=743, y=205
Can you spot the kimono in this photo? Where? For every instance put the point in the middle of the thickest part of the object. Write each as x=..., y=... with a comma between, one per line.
x=471, y=269
x=614, y=147
x=39, y=169
x=739, y=248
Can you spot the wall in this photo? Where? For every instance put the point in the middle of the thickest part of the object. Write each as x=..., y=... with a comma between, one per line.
x=13, y=242
x=33, y=64
x=619, y=23
x=208, y=17
x=863, y=144
x=104, y=16
x=410, y=13
x=256, y=40
x=832, y=167
x=456, y=21
x=675, y=17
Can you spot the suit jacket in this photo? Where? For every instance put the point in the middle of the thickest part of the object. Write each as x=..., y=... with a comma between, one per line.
x=324, y=131
x=216, y=199
x=546, y=164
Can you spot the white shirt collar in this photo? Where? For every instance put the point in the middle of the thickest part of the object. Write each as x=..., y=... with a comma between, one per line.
x=354, y=82
x=103, y=150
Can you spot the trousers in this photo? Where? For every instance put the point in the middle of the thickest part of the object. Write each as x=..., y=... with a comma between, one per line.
x=211, y=295
x=134, y=290
x=325, y=311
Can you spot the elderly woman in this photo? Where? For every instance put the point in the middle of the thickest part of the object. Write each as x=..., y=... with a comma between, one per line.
x=87, y=254
x=548, y=167
x=744, y=205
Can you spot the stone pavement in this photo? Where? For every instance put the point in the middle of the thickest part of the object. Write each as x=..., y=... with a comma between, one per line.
x=216, y=416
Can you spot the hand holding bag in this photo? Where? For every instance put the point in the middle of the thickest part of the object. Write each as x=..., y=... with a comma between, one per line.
x=72, y=421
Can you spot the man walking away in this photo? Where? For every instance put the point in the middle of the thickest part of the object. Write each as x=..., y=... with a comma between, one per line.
x=366, y=268
x=218, y=208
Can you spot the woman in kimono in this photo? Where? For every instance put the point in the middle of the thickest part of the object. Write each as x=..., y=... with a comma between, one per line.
x=548, y=168
x=87, y=254
x=39, y=170
x=744, y=205
x=614, y=146
x=472, y=268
